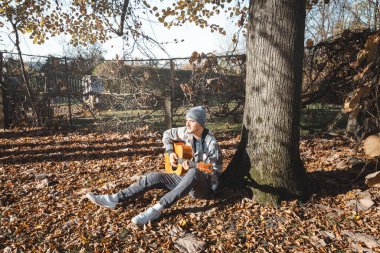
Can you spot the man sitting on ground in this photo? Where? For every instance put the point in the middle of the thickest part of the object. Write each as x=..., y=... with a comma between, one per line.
x=195, y=183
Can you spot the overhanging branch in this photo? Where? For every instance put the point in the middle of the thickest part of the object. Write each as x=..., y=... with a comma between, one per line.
x=122, y=17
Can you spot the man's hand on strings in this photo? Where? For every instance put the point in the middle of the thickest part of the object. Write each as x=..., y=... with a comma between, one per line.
x=185, y=165
x=173, y=159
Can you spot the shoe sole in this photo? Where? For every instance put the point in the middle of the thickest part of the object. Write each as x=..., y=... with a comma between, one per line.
x=133, y=221
x=92, y=199
x=140, y=224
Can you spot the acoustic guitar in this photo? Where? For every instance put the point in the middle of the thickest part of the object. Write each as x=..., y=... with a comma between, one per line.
x=185, y=153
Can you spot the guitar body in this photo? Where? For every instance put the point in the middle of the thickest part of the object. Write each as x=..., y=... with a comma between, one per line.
x=184, y=152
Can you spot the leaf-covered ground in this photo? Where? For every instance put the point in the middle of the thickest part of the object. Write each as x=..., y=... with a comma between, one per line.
x=44, y=176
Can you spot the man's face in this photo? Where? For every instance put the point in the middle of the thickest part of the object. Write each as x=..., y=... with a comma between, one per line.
x=193, y=127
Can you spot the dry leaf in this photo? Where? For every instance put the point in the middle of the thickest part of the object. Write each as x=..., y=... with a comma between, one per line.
x=368, y=240
x=371, y=146
x=361, y=205
x=42, y=184
x=190, y=244
x=352, y=101
x=7, y=250
x=373, y=179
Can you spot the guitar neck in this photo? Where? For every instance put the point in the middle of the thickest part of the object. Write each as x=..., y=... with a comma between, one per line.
x=193, y=164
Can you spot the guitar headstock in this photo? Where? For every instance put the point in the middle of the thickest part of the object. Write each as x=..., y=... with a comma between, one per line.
x=205, y=167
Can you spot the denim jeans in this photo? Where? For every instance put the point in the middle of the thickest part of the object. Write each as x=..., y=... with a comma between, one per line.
x=193, y=182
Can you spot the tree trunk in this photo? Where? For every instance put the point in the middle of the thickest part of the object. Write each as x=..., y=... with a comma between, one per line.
x=352, y=123
x=268, y=154
x=168, y=96
x=376, y=15
x=38, y=119
x=2, y=100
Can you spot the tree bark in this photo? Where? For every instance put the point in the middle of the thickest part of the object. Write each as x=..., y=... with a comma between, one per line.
x=268, y=155
x=120, y=32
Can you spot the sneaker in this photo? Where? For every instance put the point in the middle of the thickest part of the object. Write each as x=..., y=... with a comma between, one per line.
x=108, y=201
x=149, y=215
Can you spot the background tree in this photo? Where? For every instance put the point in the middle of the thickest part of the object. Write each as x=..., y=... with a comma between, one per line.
x=86, y=22
x=85, y=59
x=328, y=18
x=42, y=19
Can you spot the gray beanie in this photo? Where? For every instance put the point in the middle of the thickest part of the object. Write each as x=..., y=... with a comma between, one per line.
x=198, y=114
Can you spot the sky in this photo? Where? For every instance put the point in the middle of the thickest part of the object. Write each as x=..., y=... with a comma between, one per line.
x=195, y=39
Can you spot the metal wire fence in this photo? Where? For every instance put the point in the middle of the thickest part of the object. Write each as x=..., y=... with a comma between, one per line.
x=118, y=95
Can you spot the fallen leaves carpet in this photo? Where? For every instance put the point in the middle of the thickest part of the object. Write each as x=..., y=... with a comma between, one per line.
x=44, y=177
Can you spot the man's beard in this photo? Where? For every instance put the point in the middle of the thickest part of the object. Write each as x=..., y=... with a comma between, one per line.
x=193, y=130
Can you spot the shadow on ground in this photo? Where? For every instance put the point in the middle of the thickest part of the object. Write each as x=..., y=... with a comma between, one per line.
x=336, y=182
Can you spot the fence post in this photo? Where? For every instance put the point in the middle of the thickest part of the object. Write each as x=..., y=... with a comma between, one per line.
x=68, y=91
x=169, y=97
x=172, y=78
x=2, y=124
